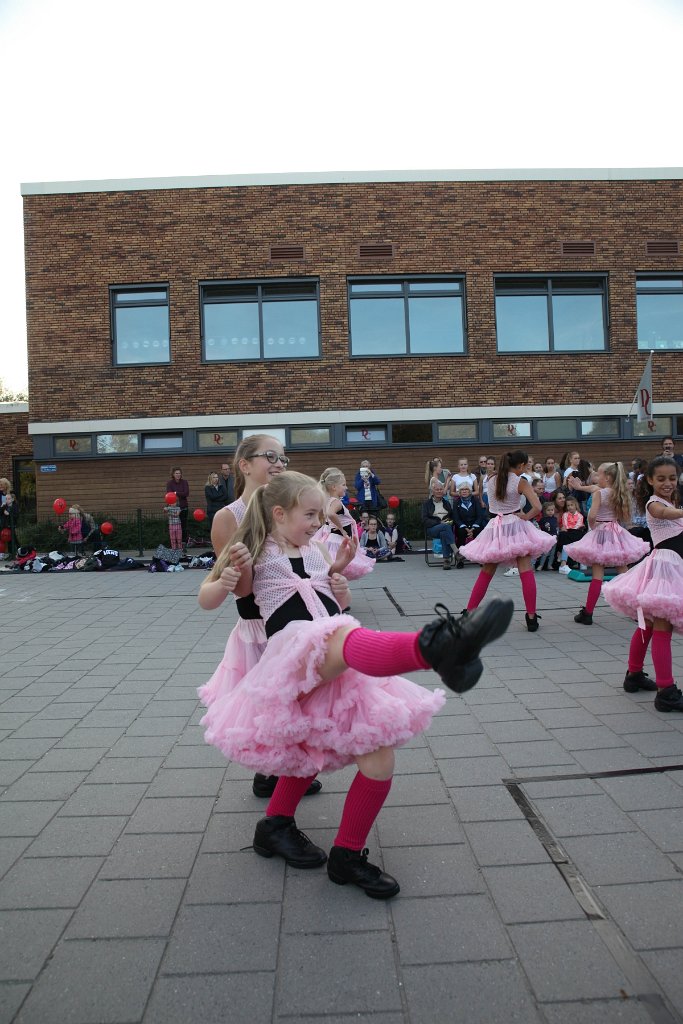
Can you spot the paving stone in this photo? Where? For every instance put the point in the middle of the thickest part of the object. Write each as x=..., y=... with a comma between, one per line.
x=10, y=771
x=643, y=792
x=314, y=905
x=606, y=1011
x=77, y=837
x=621, y=858
x=26, y=817
x=485, y=803
x=635, y=721
x=433, y=870
x=195, y=757
x=127, y=908
x=614, y=759
x=231, y=937
x=27, y=938
x=121, y=769
x=11, y=998
x=566, y=718
x=504, y=712
x=504, y=842
x=79, y=759
x=514, y=732
x=108, y=799
x=53, y=727
x=480, y=771
x=187, y=782
x=142, y=746
x=238, y=877
x=17, y=750
x=171, y=814
x=579, y=786
x=534, y=754
x=461, y=746
x=11, y=848
x=648, y=913
x=665, y=965
x=535, y=892
x=152, y=856
x=417, y=789
x=107, y=981
x=651, y=744
x=454, y=725
x=102, y=737
x=426, y=934
x=583, y=815
x=227, y=833
x=478, y=993
x=47, y=882
x=152, y=726
x=420, y=826
x=206, y=998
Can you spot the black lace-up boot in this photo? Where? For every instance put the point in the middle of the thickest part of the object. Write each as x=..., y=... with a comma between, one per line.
x=451, y=645
x=669, y=698
x=634, y=681
x=346, y=866
x=264, y=785
x=278, y=836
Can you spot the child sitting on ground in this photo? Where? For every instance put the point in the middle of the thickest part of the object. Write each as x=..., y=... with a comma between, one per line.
x=548, y=523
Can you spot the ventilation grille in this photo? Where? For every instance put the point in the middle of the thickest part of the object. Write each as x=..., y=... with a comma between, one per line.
x=578, y=248
x=286, y=252
x=376, y=250
x=22, y=428
x=663, y=247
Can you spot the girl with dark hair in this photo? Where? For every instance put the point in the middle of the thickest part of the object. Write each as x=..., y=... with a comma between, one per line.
x=509, y=537
x=652, y=591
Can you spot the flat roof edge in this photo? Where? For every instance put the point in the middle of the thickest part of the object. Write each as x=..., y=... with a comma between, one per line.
x=36, y=188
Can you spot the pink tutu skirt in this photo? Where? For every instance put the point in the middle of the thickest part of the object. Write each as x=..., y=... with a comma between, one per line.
x=281, y=720
x=653, y=589
x=244, y=648
x=359, y=566
x=507, y=538
x=608, y=544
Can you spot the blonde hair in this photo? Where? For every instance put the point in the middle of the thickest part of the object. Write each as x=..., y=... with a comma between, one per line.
x=621, y=500
x=208, y=479
x=330, y=477
x=5, y=484
x=285, y=491
x=246, y=449
x=431, y=466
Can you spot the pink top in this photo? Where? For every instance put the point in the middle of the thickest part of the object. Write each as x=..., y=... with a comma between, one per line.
x=275, y=580
x=606, y=512
x=510, y=503
x=344, y=516
x=238, y=509
x=662, y=529
x=571, y=520
x=73, y=527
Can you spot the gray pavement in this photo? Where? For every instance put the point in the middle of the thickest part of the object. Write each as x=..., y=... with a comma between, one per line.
x=540, y=856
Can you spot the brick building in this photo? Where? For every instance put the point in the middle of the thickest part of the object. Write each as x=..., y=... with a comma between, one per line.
x=388, y=316
x=16, y=450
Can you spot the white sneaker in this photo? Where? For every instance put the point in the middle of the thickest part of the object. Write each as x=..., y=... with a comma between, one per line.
x=511, y=572
x=565, y=570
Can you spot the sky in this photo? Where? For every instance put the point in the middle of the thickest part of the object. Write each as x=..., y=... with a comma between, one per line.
x=148, y=89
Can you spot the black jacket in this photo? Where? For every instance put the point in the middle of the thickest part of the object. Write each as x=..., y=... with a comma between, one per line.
x=215, y=498
x=475, y=516
x=428, y=517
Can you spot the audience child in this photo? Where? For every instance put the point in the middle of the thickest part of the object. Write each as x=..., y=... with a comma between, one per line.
x=548, y=524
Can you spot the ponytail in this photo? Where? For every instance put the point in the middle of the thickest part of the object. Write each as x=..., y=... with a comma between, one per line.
x=621, y=500
x=509, y=461
x=252, y=532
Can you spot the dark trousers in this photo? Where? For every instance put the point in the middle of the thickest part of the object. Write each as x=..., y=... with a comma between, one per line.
x=183, y=523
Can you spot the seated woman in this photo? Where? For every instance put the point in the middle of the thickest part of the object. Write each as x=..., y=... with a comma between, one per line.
x=437, y=519
x=374, y=541
x=469, y=519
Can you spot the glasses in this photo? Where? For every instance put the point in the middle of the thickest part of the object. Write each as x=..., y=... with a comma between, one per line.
x=272, y=457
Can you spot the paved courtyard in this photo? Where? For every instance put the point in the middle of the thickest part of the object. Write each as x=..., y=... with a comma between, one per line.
x=537, y=830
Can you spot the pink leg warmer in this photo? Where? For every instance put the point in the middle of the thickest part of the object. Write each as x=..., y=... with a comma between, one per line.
x=640, y=641
x=481, y=585
x=661, y=658
x=362, y=805
x=382, y=654
x=593, y=595
x=288, y=793
x=528, y=581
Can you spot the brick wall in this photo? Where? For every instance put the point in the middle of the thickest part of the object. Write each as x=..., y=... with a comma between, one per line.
x=78, y=245
x=14, y=438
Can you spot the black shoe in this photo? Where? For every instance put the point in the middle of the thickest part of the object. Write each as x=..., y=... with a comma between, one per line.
x=264, y=785
x=634, y=681
x=446, y=563
x=584, y=618
x=669, y=698
x=352, y=866
x=452, y=646
x=460, y=564
x=531, y=622
x=278, y=836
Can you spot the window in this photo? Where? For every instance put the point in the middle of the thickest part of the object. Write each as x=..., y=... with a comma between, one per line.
x=309, y=435
x=411, y=433
x=360, y=435
x=260, y=320
x=162, y=442
x=506, y=431
x=600, y=428
x=558, y=314
x=140, y=325
x=117, y=444
x=556, y=430
x=662, y=426
x=389, y=316
x=73, y=445
x=659, y=305
x=211, y=439
x=457, y=431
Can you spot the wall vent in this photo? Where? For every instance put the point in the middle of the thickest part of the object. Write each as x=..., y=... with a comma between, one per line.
x=663, y=247
x=578, y=248
x=286, y=252
x=376, y=250
x=22, y=428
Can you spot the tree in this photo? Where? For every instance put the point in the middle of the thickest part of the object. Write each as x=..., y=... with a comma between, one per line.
x=7, y=395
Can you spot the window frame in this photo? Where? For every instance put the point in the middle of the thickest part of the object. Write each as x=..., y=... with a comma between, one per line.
x=548, y=279
x=114, y=291
x=405, y=280
x=259, y=283
x=656, y=276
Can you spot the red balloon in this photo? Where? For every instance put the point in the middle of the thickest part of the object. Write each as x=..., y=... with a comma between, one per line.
x=170, y=497
x=353, y=501
x=394, y=502
x=59, y=505
x=199, y=514
x=106, y=529
x=3, y=547
x=5, y=534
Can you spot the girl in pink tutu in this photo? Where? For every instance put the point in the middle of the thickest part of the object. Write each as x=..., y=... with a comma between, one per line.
x=607, y=542
x=339, y=523
x=258, y=460
x=509, y=537
x=325, y=693
x=652, y=591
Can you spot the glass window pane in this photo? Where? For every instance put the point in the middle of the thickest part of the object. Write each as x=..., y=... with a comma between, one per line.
x=556, y=430
x=309, y=435
x=516, y=284
x=142, y=335
x=577, y=284
x=237, y=291
x=150, y=296
x=643, y=283
x=217, y=439
x=504, y=431
x=411, y=433
x=354, y=435
x=161, y=442
x=116, y=444
x=434, y=286
x=600, y=428
x=231, y=331
x=522, y=323
x=73, y=445
x=435, y=325
x=378, y=327
x=660, y=321
x=357, y=288
x=578, y=323
x=662, y=426
x=457, y=431
x=679, y=424
x=290, y=329
x=286, y=288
